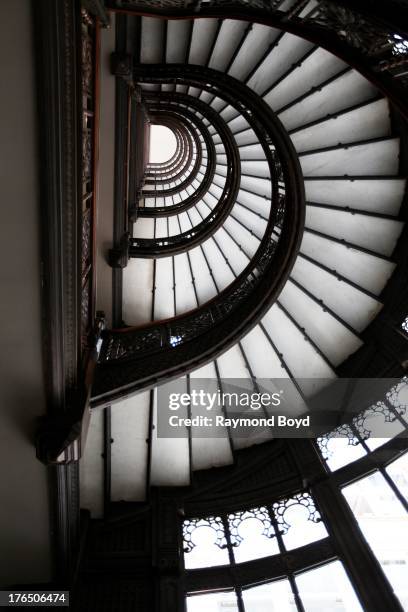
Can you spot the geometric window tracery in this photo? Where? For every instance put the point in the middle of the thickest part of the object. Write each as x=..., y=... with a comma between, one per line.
x=361, y=422
x=214, y=522
x=397, y=396
x=277, y=516
x=343, y=431
x=236, y=519
x=371, y=428
x=301, y=499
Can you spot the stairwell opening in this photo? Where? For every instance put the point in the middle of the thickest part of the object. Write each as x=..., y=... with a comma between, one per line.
x=163, y=144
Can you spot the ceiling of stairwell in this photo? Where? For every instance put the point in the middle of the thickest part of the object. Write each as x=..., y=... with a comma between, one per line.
x=340, y=127
x=163, y=144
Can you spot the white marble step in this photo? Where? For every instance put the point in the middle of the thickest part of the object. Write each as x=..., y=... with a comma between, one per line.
x=137, y=291
x=299, y=355
x=177, y=40
x=204, y=32
x=256, y=44
x=151, y=51
x=289, y=50
x=208, y=452
x=129, y=449
x=376, y=195
x=371, y=158
x=92, y=467
x=347, y=90
x=353, y=306
x=170, y=458
x=333, y=338
x=372, y=233
x=227, y=41
x=369, y=121
x=318, y=67
x=364, y=269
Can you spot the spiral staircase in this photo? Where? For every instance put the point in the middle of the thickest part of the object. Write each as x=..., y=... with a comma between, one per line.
x=301, y=169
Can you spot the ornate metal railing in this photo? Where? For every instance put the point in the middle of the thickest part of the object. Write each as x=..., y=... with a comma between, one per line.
x=127, y=343
x=182, y=343
x=90, y=127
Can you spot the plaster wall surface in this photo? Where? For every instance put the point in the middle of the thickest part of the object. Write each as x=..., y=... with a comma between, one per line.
x=25, y=555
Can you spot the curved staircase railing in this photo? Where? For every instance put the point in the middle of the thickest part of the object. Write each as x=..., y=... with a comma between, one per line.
x=135, y=358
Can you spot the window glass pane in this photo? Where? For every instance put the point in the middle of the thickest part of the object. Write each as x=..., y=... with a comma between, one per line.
x=398, y=470
x=204, y=543
x=252, y=534
x=213, y=602
x=299, y=521
x=384, y=523
x=327, y=589
x=271, y=597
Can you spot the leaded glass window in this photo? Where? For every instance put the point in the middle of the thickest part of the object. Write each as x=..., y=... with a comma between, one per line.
x=323, y=589
x=327, y=588
x=254, y=533
x=369, y=430
x=274, y=596
x=205, y=543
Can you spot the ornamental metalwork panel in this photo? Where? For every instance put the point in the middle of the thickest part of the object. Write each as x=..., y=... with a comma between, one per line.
x=272, y=518
x=301, y=499
x=236, y=519
x=124, y=345
x=89, y=37
x=343, y=431
x=380, y=408
x=214, y=522
x=387, y=49
x=86, y=239
x=397, y=396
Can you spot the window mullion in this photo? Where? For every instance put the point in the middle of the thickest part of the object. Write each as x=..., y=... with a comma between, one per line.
x=394, y=487
x=363, y=568
x=238, y=591
x=365, y=572
x=380, y=468
x=282, y=550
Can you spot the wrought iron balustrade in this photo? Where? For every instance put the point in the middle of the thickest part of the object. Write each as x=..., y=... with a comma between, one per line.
x=135, y=358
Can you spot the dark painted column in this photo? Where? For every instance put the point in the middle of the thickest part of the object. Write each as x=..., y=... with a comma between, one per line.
x=167, y=553
x=366, y=575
